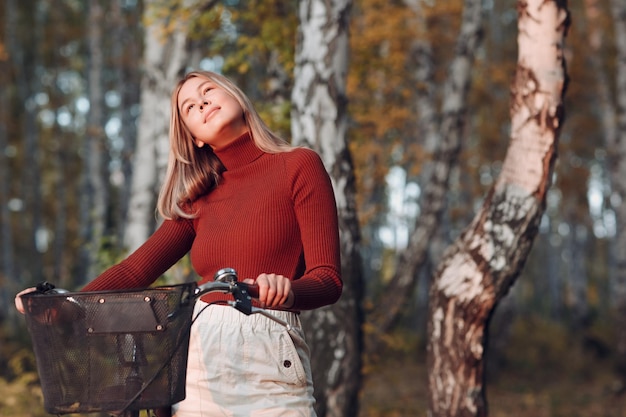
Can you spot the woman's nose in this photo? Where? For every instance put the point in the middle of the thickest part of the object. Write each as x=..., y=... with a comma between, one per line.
x=204, y=104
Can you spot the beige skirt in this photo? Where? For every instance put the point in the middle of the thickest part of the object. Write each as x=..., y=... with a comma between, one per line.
x=248, y=366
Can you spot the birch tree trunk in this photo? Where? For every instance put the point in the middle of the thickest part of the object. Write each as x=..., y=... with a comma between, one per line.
x=446, y=152
x=127, y=76
x=478, y=269
x=164, y=62
x=94, y=191
x=617, y=154
x=319, y=121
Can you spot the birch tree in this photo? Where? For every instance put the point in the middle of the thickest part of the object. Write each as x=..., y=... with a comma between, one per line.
x=447, y=138
x=164, y=60
x=125, y=48
x=478, y=269
x=319, y=121
x=94, y=191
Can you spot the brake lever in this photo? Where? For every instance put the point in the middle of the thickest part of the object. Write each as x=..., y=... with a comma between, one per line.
x=243, y=300
x=243, y=294
x=264, y=312
x=261, y=311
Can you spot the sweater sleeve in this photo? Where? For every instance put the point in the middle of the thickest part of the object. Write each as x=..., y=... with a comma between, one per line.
x=316, y=212
x=170, y=242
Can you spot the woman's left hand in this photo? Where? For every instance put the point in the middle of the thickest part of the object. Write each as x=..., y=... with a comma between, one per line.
x=274, y=290
x=19, y=305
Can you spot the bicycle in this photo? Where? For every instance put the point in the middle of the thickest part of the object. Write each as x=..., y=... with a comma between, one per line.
x=120, y=351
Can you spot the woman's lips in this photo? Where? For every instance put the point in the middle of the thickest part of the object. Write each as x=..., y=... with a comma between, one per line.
x=210, y=112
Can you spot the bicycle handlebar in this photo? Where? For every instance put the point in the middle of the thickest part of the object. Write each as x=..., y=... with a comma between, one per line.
x=215, y=286
x=225, y=280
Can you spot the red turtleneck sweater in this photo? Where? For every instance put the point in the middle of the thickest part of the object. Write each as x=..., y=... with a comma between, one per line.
x=270, y=213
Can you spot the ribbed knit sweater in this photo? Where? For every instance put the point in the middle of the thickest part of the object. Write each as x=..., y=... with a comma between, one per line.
x=270, y=213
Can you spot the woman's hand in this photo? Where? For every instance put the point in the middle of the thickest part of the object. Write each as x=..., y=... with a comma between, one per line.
x=274, y=290
x=18, y=300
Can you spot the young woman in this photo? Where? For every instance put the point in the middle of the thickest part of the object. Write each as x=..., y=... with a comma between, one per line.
x=236, y=195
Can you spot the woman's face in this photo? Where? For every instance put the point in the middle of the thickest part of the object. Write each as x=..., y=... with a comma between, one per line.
x=212, y=115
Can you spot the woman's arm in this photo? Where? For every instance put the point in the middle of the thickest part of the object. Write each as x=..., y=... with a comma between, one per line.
x=170, y=242
x=316, y=212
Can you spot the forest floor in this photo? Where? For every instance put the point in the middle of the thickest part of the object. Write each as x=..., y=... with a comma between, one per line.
x=398, y=388
x=553, y=377
x=541, y=371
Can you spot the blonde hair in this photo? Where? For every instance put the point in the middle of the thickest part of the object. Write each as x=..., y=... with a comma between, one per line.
x=192, y=171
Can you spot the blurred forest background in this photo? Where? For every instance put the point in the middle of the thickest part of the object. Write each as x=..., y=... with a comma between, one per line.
x=70, y=104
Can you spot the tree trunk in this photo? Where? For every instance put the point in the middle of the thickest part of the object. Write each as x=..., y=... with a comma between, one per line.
x=319, y=121
x=433, y=201
x=26, y=59
x=478, y=269
x=61, y=274
x=617, y=172
x=127, y=76
x=8, y=278
x=164, y=62
x=577, y=279
x=94, y=189
x=595, y=37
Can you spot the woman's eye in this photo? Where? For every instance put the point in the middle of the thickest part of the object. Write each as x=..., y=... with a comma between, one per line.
x=206, y=90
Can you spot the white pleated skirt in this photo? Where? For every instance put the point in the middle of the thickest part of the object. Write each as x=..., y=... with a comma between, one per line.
x=246, y=366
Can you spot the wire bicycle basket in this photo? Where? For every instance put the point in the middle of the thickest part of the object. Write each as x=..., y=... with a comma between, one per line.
x=111, y=350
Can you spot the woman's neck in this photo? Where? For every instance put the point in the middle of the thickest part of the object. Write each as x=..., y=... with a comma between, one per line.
x=238, y=152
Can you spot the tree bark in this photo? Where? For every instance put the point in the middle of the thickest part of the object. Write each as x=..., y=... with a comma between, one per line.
x=433, y=202
x=94, y=191
x=576, y=246
x=478, y=269
x=164, y=62
x=595, y=36
x=27, y=59
x=617, y=172
x=8, y=278
x=127, y=75
x=319, y=121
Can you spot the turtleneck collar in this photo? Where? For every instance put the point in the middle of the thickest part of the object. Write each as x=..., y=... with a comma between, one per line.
x=239, y=152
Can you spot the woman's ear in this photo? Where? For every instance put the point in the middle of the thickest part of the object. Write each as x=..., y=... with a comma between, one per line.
x=199, y=143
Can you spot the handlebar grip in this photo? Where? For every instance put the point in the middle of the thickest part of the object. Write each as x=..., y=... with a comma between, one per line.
x=252, y=289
